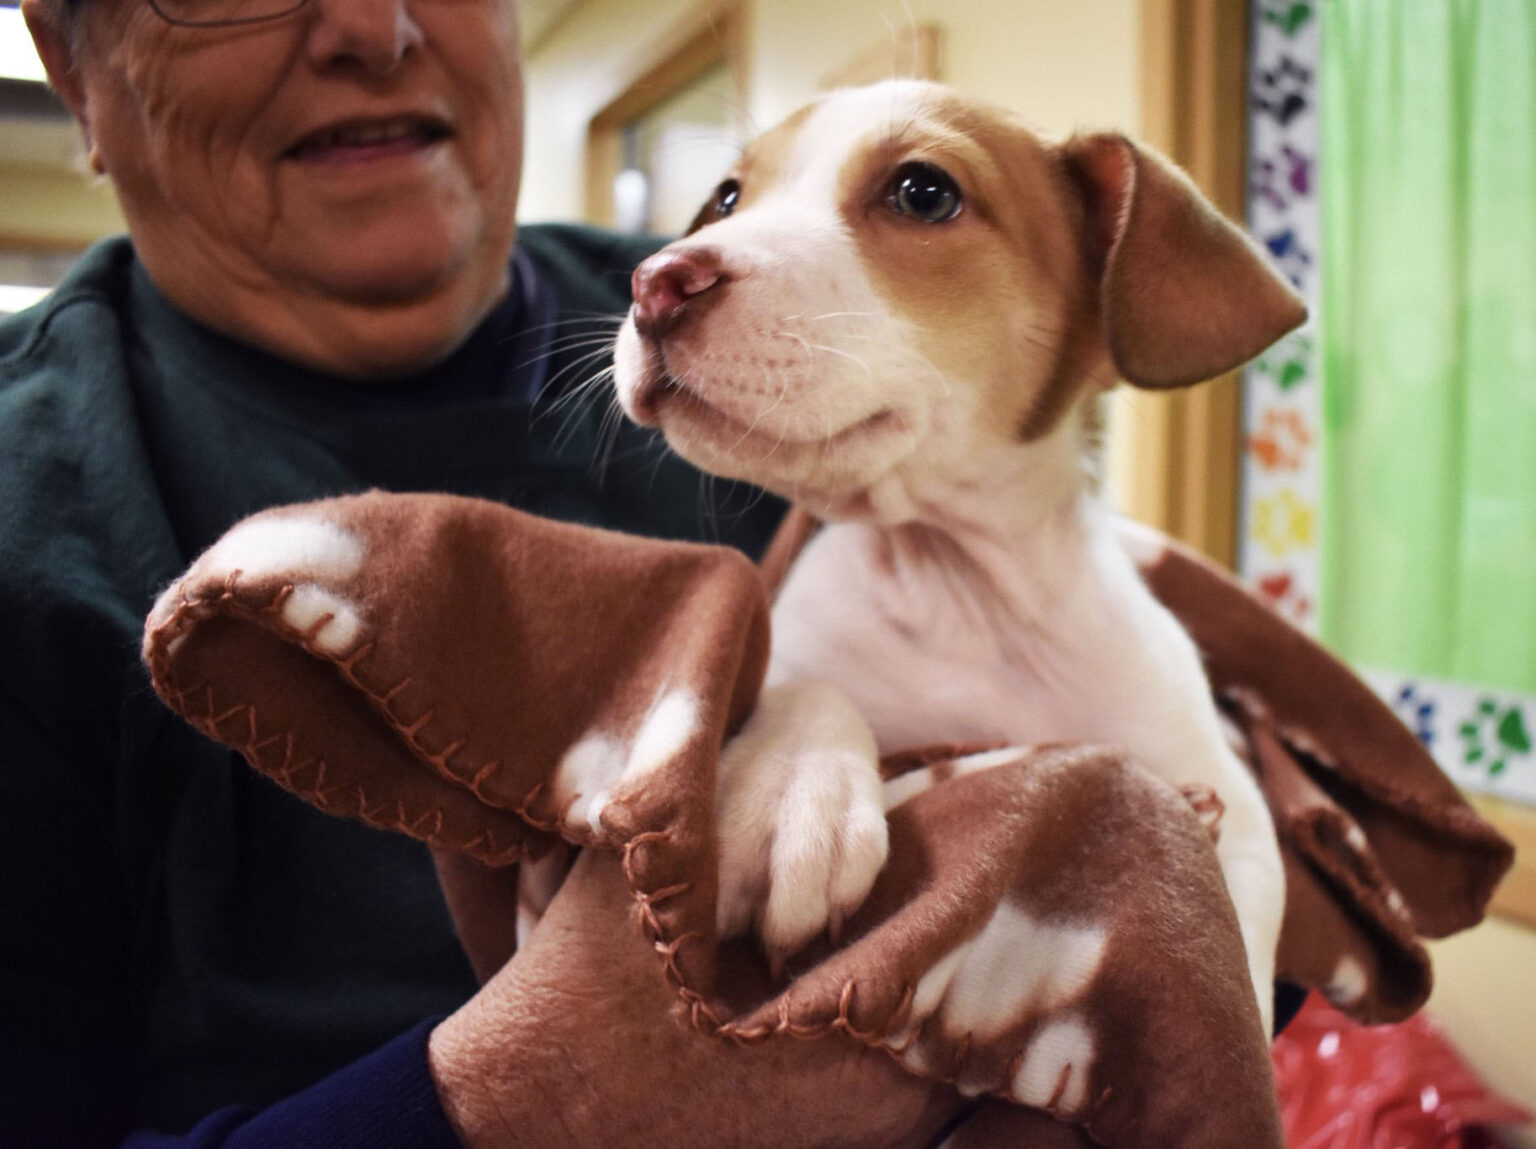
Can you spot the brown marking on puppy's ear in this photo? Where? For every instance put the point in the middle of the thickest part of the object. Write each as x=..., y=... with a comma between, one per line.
x=1185, y=295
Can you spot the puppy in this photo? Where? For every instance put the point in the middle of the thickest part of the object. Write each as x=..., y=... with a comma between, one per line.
x=900, y=311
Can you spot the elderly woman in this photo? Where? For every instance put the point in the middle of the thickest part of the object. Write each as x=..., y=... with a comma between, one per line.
x=320, y=293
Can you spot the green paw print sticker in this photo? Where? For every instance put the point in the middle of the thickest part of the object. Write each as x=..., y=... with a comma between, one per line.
x=1286, y=363
x=1289, y=17
x=1492, y=735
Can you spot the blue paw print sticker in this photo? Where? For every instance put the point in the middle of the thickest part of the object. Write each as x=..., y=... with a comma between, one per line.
x=1290, y=253
x=1418, y=712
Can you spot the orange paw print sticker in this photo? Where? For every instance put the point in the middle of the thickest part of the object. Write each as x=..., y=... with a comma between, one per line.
x=1283, y=592
x=1283, y=523
x=1282, y=440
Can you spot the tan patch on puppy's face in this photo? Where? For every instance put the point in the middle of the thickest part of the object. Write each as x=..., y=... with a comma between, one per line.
x=766, y=159
x=760, y=167
x=1000, y=295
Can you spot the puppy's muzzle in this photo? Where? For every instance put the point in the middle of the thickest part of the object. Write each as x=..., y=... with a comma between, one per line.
x=673, y=284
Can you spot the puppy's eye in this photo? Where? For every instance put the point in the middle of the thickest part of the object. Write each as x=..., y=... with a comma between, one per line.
x=726, y=196
x=924, y=192
x=721, y=204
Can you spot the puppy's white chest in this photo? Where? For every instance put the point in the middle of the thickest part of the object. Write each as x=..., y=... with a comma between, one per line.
x=927, y=662
x=909, y=693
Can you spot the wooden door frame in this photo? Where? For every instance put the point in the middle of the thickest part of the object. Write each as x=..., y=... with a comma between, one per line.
x=714, y=33
x=1181, y=451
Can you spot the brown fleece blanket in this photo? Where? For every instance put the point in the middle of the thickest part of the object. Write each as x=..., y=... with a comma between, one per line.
x=1050, y=946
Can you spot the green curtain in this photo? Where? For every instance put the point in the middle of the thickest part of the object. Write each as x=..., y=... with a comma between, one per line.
x=1428, y=179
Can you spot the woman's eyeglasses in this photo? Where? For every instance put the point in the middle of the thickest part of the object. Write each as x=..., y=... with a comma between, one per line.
x=223, y=13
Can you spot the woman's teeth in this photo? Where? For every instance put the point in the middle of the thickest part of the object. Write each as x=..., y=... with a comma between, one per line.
x=369, y=135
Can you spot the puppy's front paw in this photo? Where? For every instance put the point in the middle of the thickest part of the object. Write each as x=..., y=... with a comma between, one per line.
x=802, y=828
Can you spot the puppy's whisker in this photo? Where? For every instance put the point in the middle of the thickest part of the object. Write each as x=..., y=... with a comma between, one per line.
x=784, y=390
x=906, y=62
x=587, y=357
x=724, y=142
x=607, y=438
x=845, y=355
x=603, y=315
x=805, y=345
x=708, y=512
x=565, y=346
x=589, y=322
x=1035, y=341
x=584, y=335
x=917, y=357
x=552, y=385
x=575, y=393
x=574, y=400
x=568, y=342
x=573, y=416
x=747, y=434
x=843, y=314
x=553, y=397
x=600, y=346
x=570, y=406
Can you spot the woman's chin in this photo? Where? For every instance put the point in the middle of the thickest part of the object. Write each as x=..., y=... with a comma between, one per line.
x=391, y=270
x=391, y=310
x=401, y=248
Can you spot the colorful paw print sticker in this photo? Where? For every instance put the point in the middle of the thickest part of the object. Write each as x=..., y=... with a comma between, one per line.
x=1282, y=178
x=1283, y=523
x=1282, y=91
x=1283, y=592
x=1286, y=363
x=1287, y=16
x=1293, y=256
x=1492, y=735
x=1417, y=711
x=1282, y=441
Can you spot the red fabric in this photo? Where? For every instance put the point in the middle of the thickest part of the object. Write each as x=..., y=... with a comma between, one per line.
x=1349, y=1086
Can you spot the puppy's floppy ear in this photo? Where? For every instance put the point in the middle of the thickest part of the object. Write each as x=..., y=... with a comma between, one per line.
x=1184, y=294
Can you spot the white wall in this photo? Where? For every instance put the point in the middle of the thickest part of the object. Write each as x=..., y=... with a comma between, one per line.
x=1061, y=64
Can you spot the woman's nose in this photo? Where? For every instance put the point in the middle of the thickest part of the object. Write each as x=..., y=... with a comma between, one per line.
x=371, y=35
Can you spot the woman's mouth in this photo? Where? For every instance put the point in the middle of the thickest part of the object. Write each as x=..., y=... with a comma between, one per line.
x=357, y=140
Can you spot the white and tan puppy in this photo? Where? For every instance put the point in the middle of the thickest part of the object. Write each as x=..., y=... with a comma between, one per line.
x=900, y=310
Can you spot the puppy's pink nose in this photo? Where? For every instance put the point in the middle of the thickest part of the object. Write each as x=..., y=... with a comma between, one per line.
x=665, y=283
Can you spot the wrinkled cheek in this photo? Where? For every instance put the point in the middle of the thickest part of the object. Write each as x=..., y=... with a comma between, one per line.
x=178, y=151
x=495, y=107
